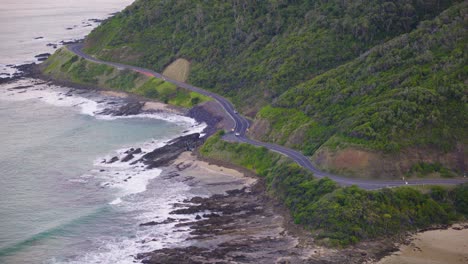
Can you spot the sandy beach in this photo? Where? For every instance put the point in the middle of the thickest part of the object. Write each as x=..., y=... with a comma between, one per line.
x=149, y=105
x=157, y=106
x=218, y=179
x=448, y=246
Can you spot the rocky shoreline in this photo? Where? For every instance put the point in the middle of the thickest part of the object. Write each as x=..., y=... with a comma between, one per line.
x=238, y=225
x=247, y=226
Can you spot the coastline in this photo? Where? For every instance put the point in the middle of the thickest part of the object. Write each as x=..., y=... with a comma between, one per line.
x=225, y=183
x=257, y=226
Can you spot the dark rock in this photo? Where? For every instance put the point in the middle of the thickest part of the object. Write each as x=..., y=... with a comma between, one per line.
x=95, y=20
x=70, y=42
x=20, y=87
x=38, y=37
x=171, y=175
x=133, y=151
x=128, y=157
x=129, y=151
x=53, y=45
x=137, y=151
x=42, y=55
x=195, y=200
x=210, y=215
x=182, y=166
x=171, y=256
x=130, y=108
x=134, y=162
x=150, y=223
x=202, y=115
x=164, y=155
x=167, y=221
x=25, y=69
x=114, y=159
x=198, y=217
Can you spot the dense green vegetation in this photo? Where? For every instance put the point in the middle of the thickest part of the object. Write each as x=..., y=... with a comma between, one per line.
x=65, y=65
x=422, y=169
x=343, y=215
x=379, y=75
x=409, y=91
x=254, y=50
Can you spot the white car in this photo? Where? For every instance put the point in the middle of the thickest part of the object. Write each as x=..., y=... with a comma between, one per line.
x=237, y=134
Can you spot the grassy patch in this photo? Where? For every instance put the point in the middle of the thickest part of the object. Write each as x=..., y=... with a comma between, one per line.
x=63, y=64
x=423, y=169
x=169, y=93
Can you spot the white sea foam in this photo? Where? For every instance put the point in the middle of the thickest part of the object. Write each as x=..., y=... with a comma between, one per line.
x=129, y=182
x=116, y=201
x=7, y=71
x=153, y=205
x=51, y=94
x=62, y=97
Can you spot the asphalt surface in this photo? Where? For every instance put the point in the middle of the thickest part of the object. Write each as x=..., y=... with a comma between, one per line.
x=242, y=124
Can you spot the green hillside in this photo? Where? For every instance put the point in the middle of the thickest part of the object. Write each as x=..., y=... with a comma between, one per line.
x=252, y=51
x=410, y=91
x=369, y=88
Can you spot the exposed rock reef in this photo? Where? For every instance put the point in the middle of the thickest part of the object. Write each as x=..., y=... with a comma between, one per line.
x=163, y=156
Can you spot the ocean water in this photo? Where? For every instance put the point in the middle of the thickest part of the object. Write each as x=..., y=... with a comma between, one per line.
x=27, y=26
x=59, y=202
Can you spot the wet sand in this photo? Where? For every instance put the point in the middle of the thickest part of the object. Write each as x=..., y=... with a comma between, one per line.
x=157, y=106
x=448, y=246
x=114, y=94
x=216, y=179
x=149, y=105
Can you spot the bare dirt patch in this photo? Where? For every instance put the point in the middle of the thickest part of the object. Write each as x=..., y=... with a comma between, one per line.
x=114, y=94
x=363, y=163
x=259, y=128
x=354, y=158
x=178, y=70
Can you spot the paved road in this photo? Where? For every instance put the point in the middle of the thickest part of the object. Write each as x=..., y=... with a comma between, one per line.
x=242, y=124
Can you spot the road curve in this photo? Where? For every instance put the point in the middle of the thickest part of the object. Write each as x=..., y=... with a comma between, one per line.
x=242, y=124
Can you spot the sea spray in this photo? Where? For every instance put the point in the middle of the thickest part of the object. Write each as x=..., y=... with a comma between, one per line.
x=136, y=195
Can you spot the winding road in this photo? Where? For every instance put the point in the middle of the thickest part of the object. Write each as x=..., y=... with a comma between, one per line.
x=242, y=124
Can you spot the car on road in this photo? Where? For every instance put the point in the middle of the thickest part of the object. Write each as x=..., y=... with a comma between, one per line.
x=237, y=134
x=235, y=112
